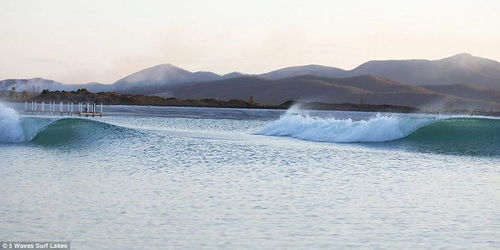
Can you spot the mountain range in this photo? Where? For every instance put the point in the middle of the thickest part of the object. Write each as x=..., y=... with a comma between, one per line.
x=462, y=80
x=368, y=89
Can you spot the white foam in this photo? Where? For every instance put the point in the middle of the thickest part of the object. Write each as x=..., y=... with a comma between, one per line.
x=10, y=125
x=377, y=129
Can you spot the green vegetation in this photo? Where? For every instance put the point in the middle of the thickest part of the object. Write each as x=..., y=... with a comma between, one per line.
x=113, y=98
x=251, y=100
x=13, y=93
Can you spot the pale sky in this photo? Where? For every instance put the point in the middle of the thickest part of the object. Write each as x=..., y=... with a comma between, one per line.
x=82, y=41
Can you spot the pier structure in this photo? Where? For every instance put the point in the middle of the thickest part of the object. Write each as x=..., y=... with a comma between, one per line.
x=63, y=109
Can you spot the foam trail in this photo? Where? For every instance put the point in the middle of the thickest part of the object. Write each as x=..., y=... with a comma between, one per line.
x=10, y=125
x=378, y=129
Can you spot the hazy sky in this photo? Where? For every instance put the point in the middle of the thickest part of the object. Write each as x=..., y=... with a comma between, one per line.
x=82, y=41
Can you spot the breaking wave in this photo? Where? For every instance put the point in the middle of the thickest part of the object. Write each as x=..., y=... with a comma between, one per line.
x=451, y=134
x=10, y=125
x=55, y=130
x=378, y=129
x=75, y=130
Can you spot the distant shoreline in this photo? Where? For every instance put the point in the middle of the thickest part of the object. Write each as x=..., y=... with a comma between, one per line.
x=112, y=98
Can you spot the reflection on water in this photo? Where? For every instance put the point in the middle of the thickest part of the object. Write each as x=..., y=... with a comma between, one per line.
x=159, y=183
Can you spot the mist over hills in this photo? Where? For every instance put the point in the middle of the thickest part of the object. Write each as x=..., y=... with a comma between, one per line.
x=39, y=84
x=459, y=69
x=164, y=75
x=360, y=89
x=313, y=69
x=141, y=82
x=462, y=80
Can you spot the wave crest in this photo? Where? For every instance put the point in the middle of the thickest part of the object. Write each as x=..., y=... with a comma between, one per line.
x=378, y=129
x=460, y=135
x=54, y=130
x=10, y=125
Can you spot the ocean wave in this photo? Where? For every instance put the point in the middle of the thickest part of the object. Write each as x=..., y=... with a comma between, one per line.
x=378, y=129
x=54, y=130
x=449, y=134
x=10, y=125
x=77, y=130
x=457, y=135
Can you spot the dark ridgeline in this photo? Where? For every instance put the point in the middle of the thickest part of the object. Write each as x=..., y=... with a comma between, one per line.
x=362, y=89
x=110, y=98
x=459, y=69
x=461, y=82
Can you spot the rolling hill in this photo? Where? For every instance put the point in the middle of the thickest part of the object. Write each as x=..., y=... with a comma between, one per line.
x=39, y=84
x=459, y=69
x=160, y=75
x=316, y=70
x=367, y=89
x=463, y=80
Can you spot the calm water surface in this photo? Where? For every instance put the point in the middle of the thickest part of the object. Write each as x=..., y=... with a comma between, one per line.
x=156, y=178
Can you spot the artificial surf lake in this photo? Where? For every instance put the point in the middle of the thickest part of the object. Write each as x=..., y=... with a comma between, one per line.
x=174, y=177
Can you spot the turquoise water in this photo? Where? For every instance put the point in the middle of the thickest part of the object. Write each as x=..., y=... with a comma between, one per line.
x=156, y=178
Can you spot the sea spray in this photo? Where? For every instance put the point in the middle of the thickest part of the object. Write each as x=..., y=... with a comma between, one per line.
x=10, y=125
x=380, y=128
x=55, y=130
